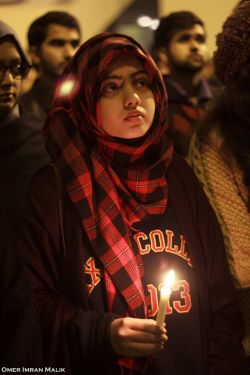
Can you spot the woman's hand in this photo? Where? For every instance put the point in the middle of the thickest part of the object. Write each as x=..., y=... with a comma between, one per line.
x=132, y=337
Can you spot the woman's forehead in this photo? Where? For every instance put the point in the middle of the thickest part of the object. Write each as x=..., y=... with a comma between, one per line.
x=124, y=60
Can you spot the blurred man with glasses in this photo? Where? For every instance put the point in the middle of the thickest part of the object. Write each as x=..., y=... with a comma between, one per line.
x=21, y=153
x=22, y=150
x=14, y=67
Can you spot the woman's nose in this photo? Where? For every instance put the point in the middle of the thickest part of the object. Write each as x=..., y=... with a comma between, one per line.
x=131, y=99
x=8, y=78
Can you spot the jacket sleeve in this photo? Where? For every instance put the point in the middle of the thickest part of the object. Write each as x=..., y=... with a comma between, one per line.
x=225, y=351
x=222, y=320
x=68, y=328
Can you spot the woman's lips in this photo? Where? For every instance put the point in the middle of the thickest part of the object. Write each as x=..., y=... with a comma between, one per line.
x=135, y=120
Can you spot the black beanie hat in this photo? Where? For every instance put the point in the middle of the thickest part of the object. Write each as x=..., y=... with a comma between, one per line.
x=232, y=57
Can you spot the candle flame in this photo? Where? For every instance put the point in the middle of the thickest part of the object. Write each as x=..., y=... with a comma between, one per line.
x=166, y=289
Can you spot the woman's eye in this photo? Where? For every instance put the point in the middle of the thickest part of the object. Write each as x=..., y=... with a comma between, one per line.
x=142, y=82
x=109, y=88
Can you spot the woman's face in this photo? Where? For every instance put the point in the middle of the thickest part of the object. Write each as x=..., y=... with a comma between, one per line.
x=127, y=104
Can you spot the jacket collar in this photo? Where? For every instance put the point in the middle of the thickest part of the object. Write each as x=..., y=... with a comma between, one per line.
x=177, y=93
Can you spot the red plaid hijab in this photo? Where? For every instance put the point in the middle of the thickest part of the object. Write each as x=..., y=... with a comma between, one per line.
x=111, y=181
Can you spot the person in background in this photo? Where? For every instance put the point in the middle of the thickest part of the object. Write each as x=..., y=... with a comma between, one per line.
x=181, y=36
x=20, y=153
x=53, y=39
x=22, y=148
x=220, y=151
x=116, y=212
x=160, y=59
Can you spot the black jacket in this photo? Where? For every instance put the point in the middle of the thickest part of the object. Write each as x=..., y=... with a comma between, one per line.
x=76, y=327
x=22, y=153
x=20, y=339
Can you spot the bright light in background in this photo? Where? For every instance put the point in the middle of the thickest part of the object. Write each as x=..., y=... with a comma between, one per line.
x=146, y=21
x=66, y=88
x=154, y=24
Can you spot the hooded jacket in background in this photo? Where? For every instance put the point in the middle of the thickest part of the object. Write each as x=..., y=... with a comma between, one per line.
x=21, y=153
x=6, y=31
x=22, y=149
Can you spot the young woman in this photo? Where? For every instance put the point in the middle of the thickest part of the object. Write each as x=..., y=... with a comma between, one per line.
x=123, y=211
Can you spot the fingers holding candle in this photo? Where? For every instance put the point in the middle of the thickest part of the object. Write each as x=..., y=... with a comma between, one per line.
x=140, y=337
x=137, y=337
x=164, y=337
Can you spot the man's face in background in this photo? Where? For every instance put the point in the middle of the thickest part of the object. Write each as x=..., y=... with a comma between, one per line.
x=187, y=49
x=57, y=49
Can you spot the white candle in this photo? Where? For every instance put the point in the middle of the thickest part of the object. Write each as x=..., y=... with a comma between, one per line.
x=165, y=294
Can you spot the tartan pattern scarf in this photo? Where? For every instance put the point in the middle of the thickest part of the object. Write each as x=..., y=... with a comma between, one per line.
x=111, y=181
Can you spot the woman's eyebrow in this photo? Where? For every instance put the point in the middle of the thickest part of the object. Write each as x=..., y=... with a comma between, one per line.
x=113, y=76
